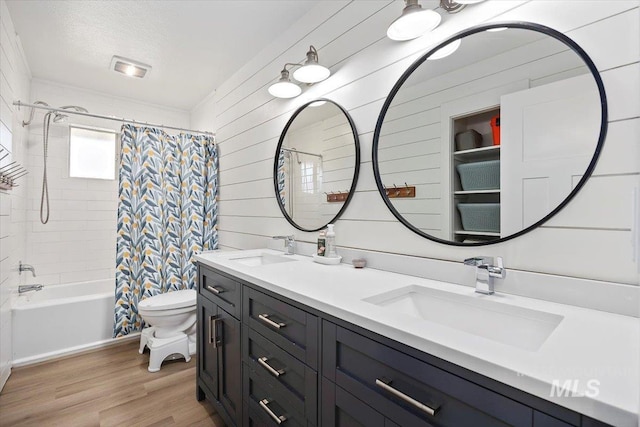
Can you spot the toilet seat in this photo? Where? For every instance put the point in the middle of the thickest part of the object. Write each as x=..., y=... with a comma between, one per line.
x=171, y=300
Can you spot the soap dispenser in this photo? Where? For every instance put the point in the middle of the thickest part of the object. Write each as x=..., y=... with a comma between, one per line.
x=330, y=241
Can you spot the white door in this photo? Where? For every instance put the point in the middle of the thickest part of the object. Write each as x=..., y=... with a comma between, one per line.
x=548, y=136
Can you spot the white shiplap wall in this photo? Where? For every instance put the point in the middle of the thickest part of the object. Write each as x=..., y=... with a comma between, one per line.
x=78, y=244
x=14, y=83
x=588, y=239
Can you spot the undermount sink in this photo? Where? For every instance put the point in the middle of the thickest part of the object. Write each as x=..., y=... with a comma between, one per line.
x=262, y=259
x=516, y=326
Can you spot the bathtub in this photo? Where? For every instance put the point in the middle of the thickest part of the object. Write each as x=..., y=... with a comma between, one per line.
x=62, y=319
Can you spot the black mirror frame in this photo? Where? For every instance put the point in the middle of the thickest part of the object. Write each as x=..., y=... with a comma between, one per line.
x=356, y=171
x=473, y=30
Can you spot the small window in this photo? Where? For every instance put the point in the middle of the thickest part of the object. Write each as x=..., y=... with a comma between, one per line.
x=92, y=153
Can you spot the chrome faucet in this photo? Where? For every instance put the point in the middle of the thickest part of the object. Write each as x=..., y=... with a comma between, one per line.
x=26, y=267
x=485, y=272
x=26, y=288
x=289, y=243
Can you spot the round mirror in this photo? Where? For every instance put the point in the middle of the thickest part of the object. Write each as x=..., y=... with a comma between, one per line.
x=489, y=134
x=316, y=165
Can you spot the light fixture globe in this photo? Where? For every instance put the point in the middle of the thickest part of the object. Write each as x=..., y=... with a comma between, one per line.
x=311, y=71
x=284, y=88
x=445, y=51
x=413, y=22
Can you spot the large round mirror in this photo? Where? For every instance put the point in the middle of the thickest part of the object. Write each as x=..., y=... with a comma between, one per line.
x=489, y=134
x=316, y=165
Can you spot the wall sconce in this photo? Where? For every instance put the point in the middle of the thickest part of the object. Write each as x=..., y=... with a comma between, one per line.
x=310, y=72
x=415, y=21
x=284, y=87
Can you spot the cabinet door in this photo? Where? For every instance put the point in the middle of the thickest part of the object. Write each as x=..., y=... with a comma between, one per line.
x=229, y=365
x=341, y=409
x=207, y=347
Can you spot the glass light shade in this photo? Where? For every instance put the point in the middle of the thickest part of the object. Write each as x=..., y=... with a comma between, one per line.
x=283, y=89
x=311, y=73
x=317, y=104
x=413, y=23
x=445, y=51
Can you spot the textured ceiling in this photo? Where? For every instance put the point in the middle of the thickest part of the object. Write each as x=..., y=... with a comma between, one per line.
x=193, y=46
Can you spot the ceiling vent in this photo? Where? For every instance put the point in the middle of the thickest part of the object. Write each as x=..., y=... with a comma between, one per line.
x=129, y=67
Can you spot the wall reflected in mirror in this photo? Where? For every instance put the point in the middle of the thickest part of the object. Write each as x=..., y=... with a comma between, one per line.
x=316, y=165
x=494, y=137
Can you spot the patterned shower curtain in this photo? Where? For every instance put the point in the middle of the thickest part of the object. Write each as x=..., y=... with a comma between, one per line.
x=282, y=176
x=167, y=210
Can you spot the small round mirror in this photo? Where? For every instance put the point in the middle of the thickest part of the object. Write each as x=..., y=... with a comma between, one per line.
x=489, y=134
x=316, y=165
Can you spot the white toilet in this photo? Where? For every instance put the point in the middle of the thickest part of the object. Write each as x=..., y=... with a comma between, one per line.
x=172, y=317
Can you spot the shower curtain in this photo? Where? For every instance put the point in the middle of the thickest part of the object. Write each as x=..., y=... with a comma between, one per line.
x=167, y=210
x=282, y=176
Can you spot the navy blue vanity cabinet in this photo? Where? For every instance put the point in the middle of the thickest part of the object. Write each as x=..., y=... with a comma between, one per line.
x=302, y=367
x=280, y=355
x=219, y=373
x=409, y=391
x=543, y=420
x=292, y=378
x=224, y=291
x=341, y=409
x=289, y=327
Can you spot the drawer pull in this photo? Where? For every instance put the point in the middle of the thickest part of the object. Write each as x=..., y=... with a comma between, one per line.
x=214, y=338
x=215, y=290
x=275, y=372
x=265, y=319
x=410, y=400
x=278, y=419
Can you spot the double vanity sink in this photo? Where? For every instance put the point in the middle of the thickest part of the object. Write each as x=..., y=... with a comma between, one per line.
x=574, y=357
x=508, y=324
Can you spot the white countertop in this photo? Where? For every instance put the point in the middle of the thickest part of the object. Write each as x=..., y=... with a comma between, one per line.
x=598, y=352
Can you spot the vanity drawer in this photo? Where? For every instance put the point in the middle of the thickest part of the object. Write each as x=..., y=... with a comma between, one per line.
x=342, y=409
x=221, y=289
x=286, y=372
x=406, y=389
x=266, y=403
x=291, y=328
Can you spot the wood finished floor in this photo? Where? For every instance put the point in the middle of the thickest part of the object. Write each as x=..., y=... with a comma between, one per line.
x=106, y=387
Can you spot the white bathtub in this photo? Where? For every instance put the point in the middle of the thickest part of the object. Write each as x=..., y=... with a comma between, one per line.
x=62, y=319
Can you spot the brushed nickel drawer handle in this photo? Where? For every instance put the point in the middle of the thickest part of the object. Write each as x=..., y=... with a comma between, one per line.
x=213, y=331
x=384, y=383
x=278, y=419
x=215, y=290
x=275, y=372
x=265, y=319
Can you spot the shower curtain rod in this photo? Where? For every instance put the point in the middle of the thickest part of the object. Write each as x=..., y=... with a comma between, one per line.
x=293, y=150
x=117, y=119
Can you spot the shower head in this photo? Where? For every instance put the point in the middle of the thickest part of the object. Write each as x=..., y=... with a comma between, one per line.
x=60, y=118
x=74, y=107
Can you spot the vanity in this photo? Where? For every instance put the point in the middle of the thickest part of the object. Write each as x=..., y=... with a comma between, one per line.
x=286, y=341
x=283, y=340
